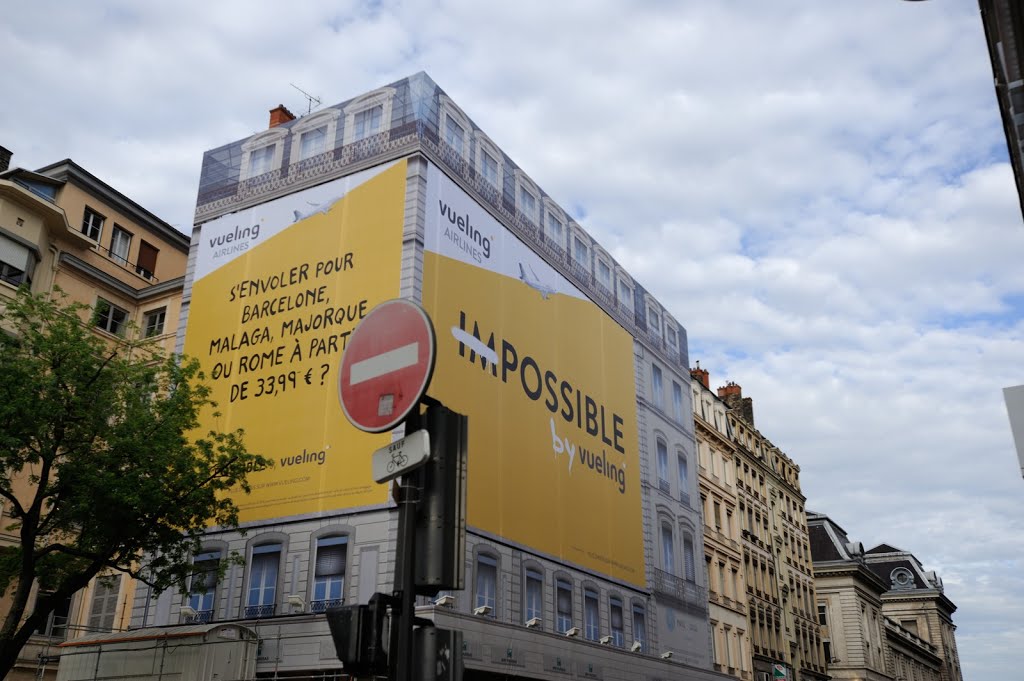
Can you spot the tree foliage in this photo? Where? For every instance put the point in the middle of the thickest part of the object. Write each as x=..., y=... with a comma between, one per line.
x=104, y=468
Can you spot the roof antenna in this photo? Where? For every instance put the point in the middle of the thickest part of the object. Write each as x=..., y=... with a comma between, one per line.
x=309, y=98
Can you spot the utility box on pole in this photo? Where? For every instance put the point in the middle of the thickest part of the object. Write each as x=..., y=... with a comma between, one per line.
x=439, y=561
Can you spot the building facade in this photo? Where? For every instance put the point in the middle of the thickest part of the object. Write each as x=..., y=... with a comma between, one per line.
x=723, y=552
x=917, y=602
x=63, y=228
x=583, y=531
x=784, y=633
x=862, y=640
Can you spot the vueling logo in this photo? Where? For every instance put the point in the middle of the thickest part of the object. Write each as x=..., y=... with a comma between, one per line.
x=561, y=398
x=465, y=236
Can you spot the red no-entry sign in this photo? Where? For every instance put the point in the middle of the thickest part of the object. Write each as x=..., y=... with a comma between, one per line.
x=387, y=365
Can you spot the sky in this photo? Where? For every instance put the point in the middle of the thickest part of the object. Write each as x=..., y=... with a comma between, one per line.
x=818, y=191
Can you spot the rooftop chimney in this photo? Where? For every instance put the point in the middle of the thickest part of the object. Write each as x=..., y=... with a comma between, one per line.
x=280, y=114
x=732, y=394
x=5, y=159
x=701, y=375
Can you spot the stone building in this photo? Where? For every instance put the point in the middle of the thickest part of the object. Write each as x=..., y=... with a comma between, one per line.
x=880, y=614
x=917, y=602
x=784, y=633
x=63, y=227
x=528, y=609
x=723, y=554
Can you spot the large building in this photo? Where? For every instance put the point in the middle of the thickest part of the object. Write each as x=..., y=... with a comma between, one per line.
x=784, y=634
x=723, y=550
x=882, y=616
x=63, y=228
x=582, y=537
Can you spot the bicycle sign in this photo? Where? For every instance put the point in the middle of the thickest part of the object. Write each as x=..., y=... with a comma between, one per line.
x=400, y=456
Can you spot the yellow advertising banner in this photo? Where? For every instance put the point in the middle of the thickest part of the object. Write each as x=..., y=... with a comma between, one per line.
x=547, y=380
x=278, y=290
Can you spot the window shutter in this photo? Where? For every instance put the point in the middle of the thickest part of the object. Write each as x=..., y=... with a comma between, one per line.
x=104, y=605
x=330, y=560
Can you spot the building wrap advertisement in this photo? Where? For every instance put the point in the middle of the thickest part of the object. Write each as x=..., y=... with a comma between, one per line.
x=278, y=289
x=546, y=378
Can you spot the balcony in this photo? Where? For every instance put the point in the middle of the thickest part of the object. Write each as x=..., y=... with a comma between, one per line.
x=684, y=498
x=680, y=590
x=259, y=611
x=201, y=617
x=324, y=605
x=664, y=486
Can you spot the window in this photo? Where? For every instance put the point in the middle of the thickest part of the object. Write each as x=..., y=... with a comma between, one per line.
x=554, y=229
x=668, y=562
x=56, y=623
x=615, y=620
x=684, y=474
x=263, y=581
x=563, y=605
x=653, y=320
x=329, y=573
x=691, y=573
x=534, y=605
x=153, y=322
x=721, y=580
x=910, y=625
x=203, y=592
x=671, y=334
x=528, y=204
x=604, y=274
x=590, y=616
x=454, y=135
x=580, y=252
x=367, y=122
x=313, y=143
x=489, y=168
x=110, y=317
x=662, y=465
x=104, y=604
x=17, y=262
x=640, y=626
x=146, y=264
x=625, y=295
x=261, y=160
x=120, y=242
x=657, y=388
x=827, y=645
x=92, y=224
x=677, y=402
x=718, y=515
x=486, y=582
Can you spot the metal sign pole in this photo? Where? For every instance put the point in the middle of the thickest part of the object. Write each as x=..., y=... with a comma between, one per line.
x=400, y=655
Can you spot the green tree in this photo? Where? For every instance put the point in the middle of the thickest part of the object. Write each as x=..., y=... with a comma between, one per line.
x=104, y=468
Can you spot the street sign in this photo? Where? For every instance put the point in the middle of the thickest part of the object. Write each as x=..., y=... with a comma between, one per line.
x=387, y=365
x=400, y=456
x=779, y=671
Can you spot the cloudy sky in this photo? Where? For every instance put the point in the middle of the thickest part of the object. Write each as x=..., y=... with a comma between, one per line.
x=818, y=191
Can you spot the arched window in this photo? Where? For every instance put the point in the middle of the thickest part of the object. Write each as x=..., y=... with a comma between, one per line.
x=263, y=572
x=533, y=593
x=668, y=563
x=688, y=564
x=486, y=583
x=563, y=604
x=329, y=572
x=662, y=452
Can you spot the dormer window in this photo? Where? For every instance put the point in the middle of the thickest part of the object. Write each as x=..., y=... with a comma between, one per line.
x=527, y=203
x=368, y=115
x=489, y=161
x=454, y=127
x=902, y=579
x=314, y=135
x=263, y=153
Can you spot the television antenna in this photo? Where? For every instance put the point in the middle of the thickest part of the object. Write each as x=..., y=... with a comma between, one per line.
x=310, y=99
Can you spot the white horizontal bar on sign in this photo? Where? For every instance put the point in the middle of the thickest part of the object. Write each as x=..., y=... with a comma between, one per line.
x=384, y=363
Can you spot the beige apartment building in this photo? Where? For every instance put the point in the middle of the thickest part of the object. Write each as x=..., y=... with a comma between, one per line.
x=723, y=554
x=882, y=616
x=784, y=633
x=62, y=227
